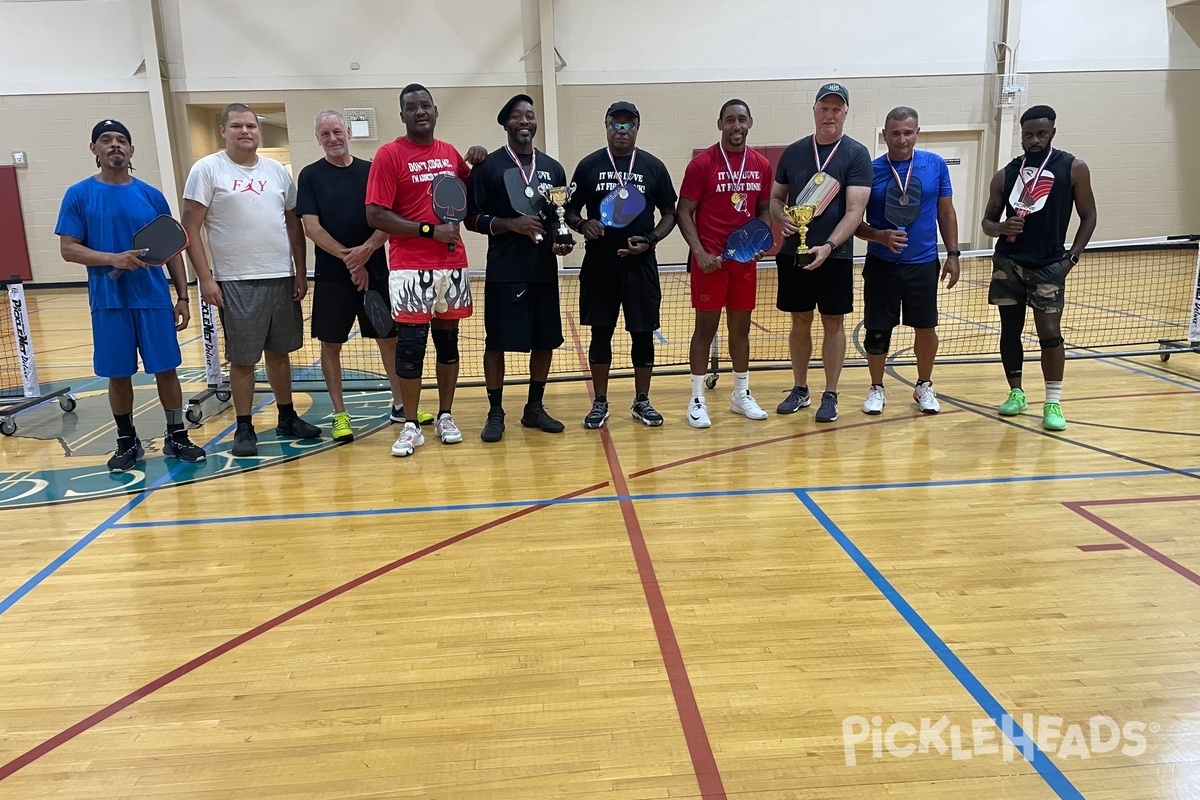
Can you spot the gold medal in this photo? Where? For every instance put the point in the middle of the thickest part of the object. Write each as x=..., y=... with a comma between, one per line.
x=736, y=199
x=819, y=178
x=903, y=199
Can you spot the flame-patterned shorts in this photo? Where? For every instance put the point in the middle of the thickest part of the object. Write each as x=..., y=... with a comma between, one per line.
x=419, y=295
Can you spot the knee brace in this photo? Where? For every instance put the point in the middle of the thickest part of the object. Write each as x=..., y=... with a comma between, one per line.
x=410, y=349
x=1051, y=343
x=641, y=353
x=445, y=345
x=1012, y=350
x=878, y=342
x=600, y=349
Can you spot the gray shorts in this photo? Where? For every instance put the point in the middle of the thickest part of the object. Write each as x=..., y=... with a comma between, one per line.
x=260, y=315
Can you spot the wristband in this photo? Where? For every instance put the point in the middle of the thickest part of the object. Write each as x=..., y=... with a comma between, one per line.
x=651, y=238
x=955, y=253
x=425, y=231
x=182, y=299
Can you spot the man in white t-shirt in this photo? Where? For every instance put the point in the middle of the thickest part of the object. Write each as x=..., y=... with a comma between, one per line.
x=245, y=203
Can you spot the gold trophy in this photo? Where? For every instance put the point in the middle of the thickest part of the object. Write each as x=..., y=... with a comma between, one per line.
x=558, y=196
x=800, y=216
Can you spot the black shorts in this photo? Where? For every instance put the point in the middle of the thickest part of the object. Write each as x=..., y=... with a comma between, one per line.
x=828, y=288
x=610, y=284
x=336, y=305
x=521, y=317
x=1040, y=288
x=888, y=288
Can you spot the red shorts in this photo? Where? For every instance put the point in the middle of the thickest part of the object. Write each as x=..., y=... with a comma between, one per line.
x=733, y=286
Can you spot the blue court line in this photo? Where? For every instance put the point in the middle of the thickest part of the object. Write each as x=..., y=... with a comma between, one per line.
x=108, y=524
x=661, y=339
x=1050, y=773
x=715, y=493
x=1149, y=374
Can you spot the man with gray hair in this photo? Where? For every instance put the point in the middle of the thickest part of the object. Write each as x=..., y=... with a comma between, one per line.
x=331, y=203
x=911, y=200
x=246, y=204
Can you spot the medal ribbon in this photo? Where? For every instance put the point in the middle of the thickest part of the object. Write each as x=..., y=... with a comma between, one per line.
x=1021, y=176
x=622, y=179
x=735, y=180
x=896, y=174
x=532, y=165
x=817, y=156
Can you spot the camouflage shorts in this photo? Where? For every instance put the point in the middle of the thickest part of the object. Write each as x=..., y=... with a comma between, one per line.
x=1041, y=288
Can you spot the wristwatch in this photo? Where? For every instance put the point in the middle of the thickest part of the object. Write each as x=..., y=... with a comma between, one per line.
x=1074, y=259
x=955, y=253
x=425, y=231
x=651, y=238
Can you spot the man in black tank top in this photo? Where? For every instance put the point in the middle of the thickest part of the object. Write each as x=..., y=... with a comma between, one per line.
x=1036, y=193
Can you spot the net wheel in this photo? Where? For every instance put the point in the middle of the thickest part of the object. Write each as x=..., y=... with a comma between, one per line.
x=193, y=414
x=68, y=403
x=1164, y=357
x=223, y=395
x=8, y=426
x=711, y=381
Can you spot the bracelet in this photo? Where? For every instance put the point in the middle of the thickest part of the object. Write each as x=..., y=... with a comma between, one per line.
x=183, y=299
x=955, y=253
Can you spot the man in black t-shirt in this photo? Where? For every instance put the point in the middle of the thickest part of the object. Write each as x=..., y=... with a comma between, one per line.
x=1036, y=192
x=827, y=282
x=620, y=186
x=331, y=202
x=520, y=307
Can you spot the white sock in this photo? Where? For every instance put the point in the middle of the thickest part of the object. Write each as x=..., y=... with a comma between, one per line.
x=698, y=386
x=741, y=382
x=1053, y=391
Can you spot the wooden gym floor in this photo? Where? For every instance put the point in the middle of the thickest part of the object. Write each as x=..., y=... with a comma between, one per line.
x=761, y=610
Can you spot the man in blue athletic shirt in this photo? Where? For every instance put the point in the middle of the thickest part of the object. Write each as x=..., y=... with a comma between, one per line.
x=911, y=200
x=132, y=313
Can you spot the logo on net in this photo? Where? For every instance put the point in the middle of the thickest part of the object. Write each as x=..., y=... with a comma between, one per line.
x=983, y=737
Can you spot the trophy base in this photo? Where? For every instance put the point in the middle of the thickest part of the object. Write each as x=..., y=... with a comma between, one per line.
x=564, y=238
x=804, y=259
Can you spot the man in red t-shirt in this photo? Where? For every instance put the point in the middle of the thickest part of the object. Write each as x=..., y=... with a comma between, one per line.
x=723, y=188
x=428, y=282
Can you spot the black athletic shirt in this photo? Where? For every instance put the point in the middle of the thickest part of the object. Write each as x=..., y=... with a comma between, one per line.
x=336, y=196
x=850, y=166
x=1041, y=241
x=513, y=257
x=594, y=179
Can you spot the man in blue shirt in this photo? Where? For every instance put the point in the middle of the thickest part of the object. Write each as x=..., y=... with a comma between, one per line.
x=911, y=200
x=130, y=300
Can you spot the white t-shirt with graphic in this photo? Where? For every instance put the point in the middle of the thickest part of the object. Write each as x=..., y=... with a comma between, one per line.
x=247, y=232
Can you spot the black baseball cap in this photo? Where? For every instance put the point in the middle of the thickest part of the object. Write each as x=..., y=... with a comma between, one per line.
x=836, y=89
x=623, y=106
x=110, y=125
x=502, y=117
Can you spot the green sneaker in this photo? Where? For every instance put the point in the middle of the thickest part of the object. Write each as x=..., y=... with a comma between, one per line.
x=423, y=416
x=1014, y=405
x=342, y=431
x=1052, y=417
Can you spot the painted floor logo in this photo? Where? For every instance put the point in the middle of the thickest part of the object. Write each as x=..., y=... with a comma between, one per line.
x=984, y=737
x=66, y=452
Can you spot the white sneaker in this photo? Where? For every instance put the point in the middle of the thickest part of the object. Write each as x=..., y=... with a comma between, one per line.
x=697, y=413
x=875, y=400
x=410, y=439
x=446, y=430
x=926, y=398
x=744, y=403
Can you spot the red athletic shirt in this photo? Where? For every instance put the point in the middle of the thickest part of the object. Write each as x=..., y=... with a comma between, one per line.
x=707, y=183
x=400, y=179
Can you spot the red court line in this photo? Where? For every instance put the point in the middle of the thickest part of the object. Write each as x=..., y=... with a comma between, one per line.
x=1133, y=501
x=1098, y=548
x=1133, y=541
x=778, y=439
x=704, y=763
x=84, y=725
x=761, y=327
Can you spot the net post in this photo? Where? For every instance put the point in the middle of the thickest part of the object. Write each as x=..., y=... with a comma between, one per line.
x=1194, y=323
x=212, y=355
x=20, y=320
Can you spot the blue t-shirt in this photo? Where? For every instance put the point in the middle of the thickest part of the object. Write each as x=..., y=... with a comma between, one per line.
x=930, y=181
x=104, y=217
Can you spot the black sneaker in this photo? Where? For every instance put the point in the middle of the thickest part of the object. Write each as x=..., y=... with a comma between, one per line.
x=828, y=410
x=644, y=413
x=245, y=441
x=797, y=399
x=178, y=445
x=397, y=415
x=596, y=417
x=297, y=429
x=537, y=417
x=129, y=452
x=493, y=428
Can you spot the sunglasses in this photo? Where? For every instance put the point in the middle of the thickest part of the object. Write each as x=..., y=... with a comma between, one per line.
x=622, y=126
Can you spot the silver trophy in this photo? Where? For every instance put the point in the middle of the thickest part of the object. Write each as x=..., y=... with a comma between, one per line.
x=558, y=196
